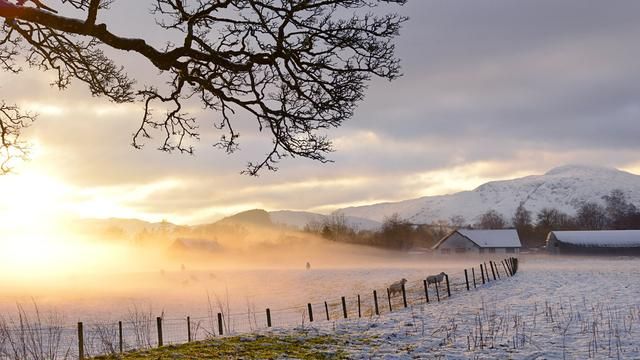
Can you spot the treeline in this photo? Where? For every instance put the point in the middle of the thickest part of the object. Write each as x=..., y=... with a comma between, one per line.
x=395, y=232
x=615, y=213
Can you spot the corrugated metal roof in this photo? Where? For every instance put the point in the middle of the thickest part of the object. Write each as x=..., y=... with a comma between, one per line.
x=602, y=238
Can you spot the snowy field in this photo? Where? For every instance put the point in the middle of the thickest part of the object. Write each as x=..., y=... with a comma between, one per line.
x=554, y=308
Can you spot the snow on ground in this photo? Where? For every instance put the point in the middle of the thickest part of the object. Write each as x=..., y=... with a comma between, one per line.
x=554, y=308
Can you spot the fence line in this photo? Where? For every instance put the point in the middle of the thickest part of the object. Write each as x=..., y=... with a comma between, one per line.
x=142, y=331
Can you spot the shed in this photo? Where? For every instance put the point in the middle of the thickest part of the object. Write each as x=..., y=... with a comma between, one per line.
x=460, y=241
x=600, y=242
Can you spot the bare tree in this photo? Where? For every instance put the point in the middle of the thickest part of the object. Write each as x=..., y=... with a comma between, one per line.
x=522, y=218
x=618, y=209
x=298, y=67
x=549, y=219
x=457, y=221
x=491, y=220
x=591, y=216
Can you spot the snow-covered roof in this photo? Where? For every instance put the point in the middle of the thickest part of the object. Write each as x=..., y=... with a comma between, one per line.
x=492, y=238
x=603, y=238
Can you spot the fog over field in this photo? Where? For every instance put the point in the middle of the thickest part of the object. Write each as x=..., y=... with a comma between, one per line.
x=264, y=267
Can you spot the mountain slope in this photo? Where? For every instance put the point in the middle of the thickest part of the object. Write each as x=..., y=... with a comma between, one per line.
x=564, y=188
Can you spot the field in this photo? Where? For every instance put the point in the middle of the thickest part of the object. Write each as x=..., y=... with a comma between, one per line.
x=554, y=308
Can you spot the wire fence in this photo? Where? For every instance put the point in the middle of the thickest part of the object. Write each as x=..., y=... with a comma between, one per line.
x=35, y=338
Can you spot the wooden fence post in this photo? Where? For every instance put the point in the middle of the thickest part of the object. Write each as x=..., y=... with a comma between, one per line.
x=310, y=312
x=487, y=272
x=426, y=290
x=404, y=296
x=389, y=298
x=120, y=340
x=492, y=270
x=497, y=269
x=359, y=311
x=482, y=273
x=437, y=292
x=505, y=268
x=473, y=275
x=326, y=309
x=375, y=301
x=220, y=330
x=159, y=323
x=466, y=278
x=344, y=307
x=188, y=329
x=446, y=277
x=80, y=341
x=268, y=317
x=506, y=261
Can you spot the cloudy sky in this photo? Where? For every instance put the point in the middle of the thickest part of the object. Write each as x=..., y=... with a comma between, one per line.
x=491, y=90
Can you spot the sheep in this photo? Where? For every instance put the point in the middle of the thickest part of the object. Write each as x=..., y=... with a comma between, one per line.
x=433, y=279
x=396, y=287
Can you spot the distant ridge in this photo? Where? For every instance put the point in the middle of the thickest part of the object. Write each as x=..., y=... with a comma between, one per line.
x=564, y=188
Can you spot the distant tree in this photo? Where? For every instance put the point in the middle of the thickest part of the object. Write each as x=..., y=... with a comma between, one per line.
x=591, y=216
x=491, y=220
x=522, y=218
x=313, y=226
x=297, y=68
x=522, y=221
x=618, y=210
x=396, y=232
x=335, y=227
x=457, y=221
x=549, y=219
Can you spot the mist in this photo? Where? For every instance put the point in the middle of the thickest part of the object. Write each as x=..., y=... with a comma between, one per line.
x=103, y=270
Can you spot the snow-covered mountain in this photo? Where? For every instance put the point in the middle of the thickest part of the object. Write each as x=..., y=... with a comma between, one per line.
x=299, y=219
x=564, y=188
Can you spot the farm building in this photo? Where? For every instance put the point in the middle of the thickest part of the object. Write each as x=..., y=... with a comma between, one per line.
x=479, y=242
x=603, y=242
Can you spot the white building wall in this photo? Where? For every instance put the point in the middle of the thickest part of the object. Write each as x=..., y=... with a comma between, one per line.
x=457, y=243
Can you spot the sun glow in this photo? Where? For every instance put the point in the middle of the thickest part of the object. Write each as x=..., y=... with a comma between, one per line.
x=37, y=240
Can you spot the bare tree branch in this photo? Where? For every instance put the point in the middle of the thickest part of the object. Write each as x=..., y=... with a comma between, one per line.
x=298, y=67
x=12, y=122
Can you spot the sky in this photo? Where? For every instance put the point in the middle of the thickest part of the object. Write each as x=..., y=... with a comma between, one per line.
x=491, y=90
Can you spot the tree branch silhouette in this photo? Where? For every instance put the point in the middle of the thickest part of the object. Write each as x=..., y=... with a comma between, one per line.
x=297, y=67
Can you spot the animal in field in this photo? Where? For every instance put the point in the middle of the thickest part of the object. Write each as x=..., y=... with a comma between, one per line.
x=396, y=287
x=436, y=279
x=308, y=266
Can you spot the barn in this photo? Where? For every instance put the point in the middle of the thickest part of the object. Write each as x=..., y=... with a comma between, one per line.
x=470, y=241
x=601, y=242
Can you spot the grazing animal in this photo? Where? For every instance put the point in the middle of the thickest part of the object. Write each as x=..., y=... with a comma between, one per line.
x=396, y=287
x=433, y=279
